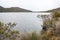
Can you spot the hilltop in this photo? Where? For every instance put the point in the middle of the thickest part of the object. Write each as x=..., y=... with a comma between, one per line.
x=13, y=9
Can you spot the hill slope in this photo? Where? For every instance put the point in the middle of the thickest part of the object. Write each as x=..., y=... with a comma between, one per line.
x=13, y=9
x=54, y=10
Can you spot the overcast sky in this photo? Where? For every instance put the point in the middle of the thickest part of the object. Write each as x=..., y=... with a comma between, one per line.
x=34, y=5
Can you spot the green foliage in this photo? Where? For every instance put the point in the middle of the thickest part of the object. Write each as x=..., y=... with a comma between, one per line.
x=6, y=32
x=50, y=34
x=49, y=24
x=56, y=14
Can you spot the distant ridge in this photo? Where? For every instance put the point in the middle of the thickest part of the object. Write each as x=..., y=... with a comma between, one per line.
x=13, y=9
x=53, y=10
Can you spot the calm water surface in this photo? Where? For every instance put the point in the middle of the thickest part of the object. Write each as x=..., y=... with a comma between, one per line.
x=26, y=22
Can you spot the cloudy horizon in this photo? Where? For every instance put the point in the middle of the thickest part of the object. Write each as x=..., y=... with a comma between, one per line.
x=34, y=5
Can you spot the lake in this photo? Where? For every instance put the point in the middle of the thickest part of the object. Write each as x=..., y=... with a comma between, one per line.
x=26, y=22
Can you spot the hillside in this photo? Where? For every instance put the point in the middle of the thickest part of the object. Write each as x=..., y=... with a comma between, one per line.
x=13, y=9
x=54, y=10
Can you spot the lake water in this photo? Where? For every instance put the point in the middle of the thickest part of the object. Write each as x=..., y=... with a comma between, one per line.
x=26, y=22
